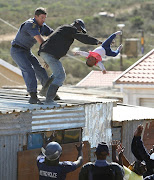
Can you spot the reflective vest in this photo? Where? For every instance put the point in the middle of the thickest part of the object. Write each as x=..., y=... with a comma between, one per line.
x=130, y=175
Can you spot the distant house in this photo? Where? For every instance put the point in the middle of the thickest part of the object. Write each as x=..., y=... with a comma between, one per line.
x=10, y=75
x=98, y=79
x=137, y=82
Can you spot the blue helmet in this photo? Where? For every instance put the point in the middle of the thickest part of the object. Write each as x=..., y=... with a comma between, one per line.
x=52, y=151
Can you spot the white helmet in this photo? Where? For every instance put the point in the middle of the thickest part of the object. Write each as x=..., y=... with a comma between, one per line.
x=52, y=151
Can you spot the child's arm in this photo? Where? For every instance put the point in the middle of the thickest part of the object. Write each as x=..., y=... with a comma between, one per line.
x=100, y=64
x=82, y=53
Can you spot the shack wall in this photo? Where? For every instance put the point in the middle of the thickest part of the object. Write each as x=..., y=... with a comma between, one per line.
x=127, y=132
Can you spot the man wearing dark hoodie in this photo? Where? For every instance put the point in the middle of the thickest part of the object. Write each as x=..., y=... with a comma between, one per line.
x=57, y=46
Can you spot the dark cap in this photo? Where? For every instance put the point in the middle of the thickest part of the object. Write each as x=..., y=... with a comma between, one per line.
x=80, y=22
x=102, y=147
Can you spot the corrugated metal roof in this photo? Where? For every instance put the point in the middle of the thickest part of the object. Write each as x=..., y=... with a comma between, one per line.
x=129, y=113
x=71, y=113
x=16, y=100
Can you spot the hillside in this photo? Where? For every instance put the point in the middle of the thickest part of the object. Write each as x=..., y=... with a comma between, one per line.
x=136, y=15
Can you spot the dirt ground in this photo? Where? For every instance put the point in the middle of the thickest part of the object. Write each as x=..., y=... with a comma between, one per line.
x=7, y=37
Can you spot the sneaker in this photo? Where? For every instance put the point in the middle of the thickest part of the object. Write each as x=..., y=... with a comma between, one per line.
x=120, y=47
x=118, y=33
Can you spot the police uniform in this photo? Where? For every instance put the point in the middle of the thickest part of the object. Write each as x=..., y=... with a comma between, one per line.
x=54, y=172
x=23, y=57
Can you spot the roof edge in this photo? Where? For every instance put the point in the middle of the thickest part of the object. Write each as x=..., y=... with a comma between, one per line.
x=10, y=67
x=134, y=85
x=78, y=84
x=133, y=65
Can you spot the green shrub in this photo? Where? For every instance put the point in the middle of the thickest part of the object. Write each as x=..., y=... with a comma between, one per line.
x=137, y=22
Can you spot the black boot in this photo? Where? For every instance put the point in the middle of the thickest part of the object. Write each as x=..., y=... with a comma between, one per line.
x=57, y=97
x=51, y=94
x=44, y=89
x=34, y=99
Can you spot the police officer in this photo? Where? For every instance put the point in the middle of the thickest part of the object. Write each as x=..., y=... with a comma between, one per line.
x=57, y=46
x=49, y=165
x=141, y=153
x=29, y=33
x=101, y=169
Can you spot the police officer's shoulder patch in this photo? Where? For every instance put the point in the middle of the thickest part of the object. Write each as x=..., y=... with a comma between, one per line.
x=41, y=158
x=34, y=26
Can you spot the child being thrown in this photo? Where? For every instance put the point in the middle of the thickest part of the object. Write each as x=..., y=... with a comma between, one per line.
x=95, y=57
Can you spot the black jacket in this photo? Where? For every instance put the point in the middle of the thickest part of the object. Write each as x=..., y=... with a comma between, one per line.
x=61, y=39
x=141, y=154
x=89, y=169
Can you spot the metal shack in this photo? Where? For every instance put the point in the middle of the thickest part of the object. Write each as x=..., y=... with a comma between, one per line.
x=23, y=126
x=126, y=118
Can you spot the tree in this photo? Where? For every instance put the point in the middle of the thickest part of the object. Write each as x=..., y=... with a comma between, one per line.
x=137, y=22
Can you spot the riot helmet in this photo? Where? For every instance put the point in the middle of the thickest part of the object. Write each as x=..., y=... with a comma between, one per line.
x=52, y=151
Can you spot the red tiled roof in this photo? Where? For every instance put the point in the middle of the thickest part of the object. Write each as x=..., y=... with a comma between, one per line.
x=98, y=79
x=141, y=72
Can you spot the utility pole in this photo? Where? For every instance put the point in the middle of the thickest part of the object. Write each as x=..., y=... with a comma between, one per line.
x=142, y=41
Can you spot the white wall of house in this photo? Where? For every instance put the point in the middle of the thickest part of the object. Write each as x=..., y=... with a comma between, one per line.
x=139, y=96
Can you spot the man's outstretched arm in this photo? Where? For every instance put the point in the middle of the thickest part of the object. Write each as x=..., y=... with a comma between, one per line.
x=84, y=38
x=144, y=155
x=79, y=160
